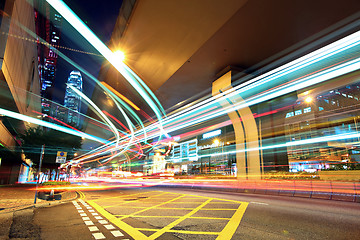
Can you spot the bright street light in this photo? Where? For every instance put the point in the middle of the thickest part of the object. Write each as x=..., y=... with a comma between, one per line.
x=120, y=55
x=308, y=100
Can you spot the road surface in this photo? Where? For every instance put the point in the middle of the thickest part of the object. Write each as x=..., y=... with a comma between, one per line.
x=163, y=213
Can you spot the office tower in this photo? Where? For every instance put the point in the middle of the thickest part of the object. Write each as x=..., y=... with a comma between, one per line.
x=48, y=27
x=72, y=100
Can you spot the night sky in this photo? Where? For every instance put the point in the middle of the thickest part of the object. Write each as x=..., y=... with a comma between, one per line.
x=100, y=16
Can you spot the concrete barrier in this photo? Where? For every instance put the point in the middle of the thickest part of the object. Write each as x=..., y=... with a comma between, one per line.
x=331, y=190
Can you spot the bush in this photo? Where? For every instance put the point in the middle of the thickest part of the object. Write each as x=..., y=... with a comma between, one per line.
x=52, y=183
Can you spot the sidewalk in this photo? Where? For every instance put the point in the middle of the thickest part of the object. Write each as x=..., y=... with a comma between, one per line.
x=20, y=196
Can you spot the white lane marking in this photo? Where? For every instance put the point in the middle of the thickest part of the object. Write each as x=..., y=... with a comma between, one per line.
x=94, y=213
x=98, y=236
x=98, y=217
x=79, y=208
x=93, y=229
x=83, y=214
x=103, y=221
x=89, y=207
x=109, y=227
x=80, y=211
x=259, y=203
x=74, y=202
x=91, y=210
x=117, y=233
x=89, y=223
x=86, y=218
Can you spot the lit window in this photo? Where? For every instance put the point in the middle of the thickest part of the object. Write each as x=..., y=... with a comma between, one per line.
x=321, y=108
x=307, y=110
x=290, y=114
x=298, y=112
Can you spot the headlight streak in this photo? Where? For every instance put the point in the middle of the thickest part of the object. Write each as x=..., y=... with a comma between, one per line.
x=130, y=126
x=25, y=118
x=311, y=80
x=337, y=47
x=128, y=74
x=87, y=73
x=98, y=112
x=319, y=77
x=210, y=108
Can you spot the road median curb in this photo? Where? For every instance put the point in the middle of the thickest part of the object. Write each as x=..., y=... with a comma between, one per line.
x=43, y=203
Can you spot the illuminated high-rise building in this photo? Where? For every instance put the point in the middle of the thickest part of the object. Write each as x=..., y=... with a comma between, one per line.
x=72, y=100
x=48, y=27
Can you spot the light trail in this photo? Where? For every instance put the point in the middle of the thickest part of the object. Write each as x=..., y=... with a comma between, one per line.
x=128, y=74
x=36, y=121
x=97, y=111
x=298, y=74
x=121, y=96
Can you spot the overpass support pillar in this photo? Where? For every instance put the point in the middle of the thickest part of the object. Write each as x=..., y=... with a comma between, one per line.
x=245, y=128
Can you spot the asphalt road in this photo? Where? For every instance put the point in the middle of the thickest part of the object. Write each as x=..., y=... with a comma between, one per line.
x=163, y=213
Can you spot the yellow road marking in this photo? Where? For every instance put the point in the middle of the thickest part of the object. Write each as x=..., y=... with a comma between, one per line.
x=144, y=201
x=233, y=224
x=152, y=207
x=128, y=202
x=82, y=195
x=142, y=216
x=219, y=199
x=120, y=224
x=178, y=231
x=217, y=209
x=122, y=196
x=225, y=234
x=211, y=218
x=174, y=208
x=176, y=222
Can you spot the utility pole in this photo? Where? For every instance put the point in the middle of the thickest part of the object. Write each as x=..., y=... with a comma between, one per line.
x=39, y=170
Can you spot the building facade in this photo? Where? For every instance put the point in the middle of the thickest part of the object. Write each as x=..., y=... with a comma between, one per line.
x=324, y=113
x=48, y=28
x=72, y=100
x=19, y=85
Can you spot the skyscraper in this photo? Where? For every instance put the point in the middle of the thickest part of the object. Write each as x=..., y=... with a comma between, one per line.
x=48, y=26
x=72, y=100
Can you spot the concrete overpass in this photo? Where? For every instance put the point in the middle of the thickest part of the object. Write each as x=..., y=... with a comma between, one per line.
x=180, y=48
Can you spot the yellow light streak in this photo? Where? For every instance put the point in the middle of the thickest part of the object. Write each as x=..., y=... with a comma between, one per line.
x=121, y=96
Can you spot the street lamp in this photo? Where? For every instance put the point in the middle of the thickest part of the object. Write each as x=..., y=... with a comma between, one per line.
x=120, y=55
x=308, y=100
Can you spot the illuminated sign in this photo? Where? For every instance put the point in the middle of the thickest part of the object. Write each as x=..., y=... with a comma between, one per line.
x=211, y=134
x=185, y=151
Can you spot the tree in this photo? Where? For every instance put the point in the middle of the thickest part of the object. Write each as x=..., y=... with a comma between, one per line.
x=54, y=141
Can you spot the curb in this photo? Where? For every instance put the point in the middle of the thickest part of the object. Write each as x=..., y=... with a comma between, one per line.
x=38, y=205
